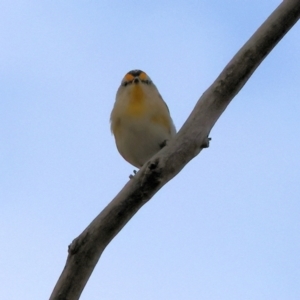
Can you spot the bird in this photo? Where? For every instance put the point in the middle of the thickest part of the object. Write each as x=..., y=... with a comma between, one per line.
x=140, y=119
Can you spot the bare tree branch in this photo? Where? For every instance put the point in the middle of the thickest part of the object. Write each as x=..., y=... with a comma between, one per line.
x=85, y=250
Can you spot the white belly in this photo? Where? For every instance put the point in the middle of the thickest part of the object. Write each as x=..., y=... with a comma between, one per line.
x=138, y=141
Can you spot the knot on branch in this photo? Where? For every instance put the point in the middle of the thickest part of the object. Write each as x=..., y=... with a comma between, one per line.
x=205, y=143
x=73, y=248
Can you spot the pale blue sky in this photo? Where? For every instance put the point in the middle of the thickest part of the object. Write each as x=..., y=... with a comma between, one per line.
x=227, y=227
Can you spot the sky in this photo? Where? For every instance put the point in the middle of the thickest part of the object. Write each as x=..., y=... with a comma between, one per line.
x=226, y=227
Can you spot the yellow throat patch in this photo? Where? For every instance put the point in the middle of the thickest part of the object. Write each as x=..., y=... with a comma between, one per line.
x=136, y=105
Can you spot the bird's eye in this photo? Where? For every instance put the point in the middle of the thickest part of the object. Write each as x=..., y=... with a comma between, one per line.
x=125, y=83
x=146, y=81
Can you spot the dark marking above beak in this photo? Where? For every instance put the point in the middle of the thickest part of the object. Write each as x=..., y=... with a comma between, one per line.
x=135, y=73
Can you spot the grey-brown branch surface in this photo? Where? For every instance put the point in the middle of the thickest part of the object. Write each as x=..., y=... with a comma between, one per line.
x=86, y=249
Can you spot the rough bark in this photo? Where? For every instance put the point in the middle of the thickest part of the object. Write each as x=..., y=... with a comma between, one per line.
x=85, y=250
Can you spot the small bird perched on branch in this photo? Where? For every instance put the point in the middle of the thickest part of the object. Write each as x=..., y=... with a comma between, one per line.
x=140, y=119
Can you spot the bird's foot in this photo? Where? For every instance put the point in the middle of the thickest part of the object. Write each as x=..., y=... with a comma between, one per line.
x=131, y=176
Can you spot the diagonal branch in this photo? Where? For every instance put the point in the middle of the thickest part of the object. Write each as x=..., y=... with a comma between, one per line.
x=85, y=250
